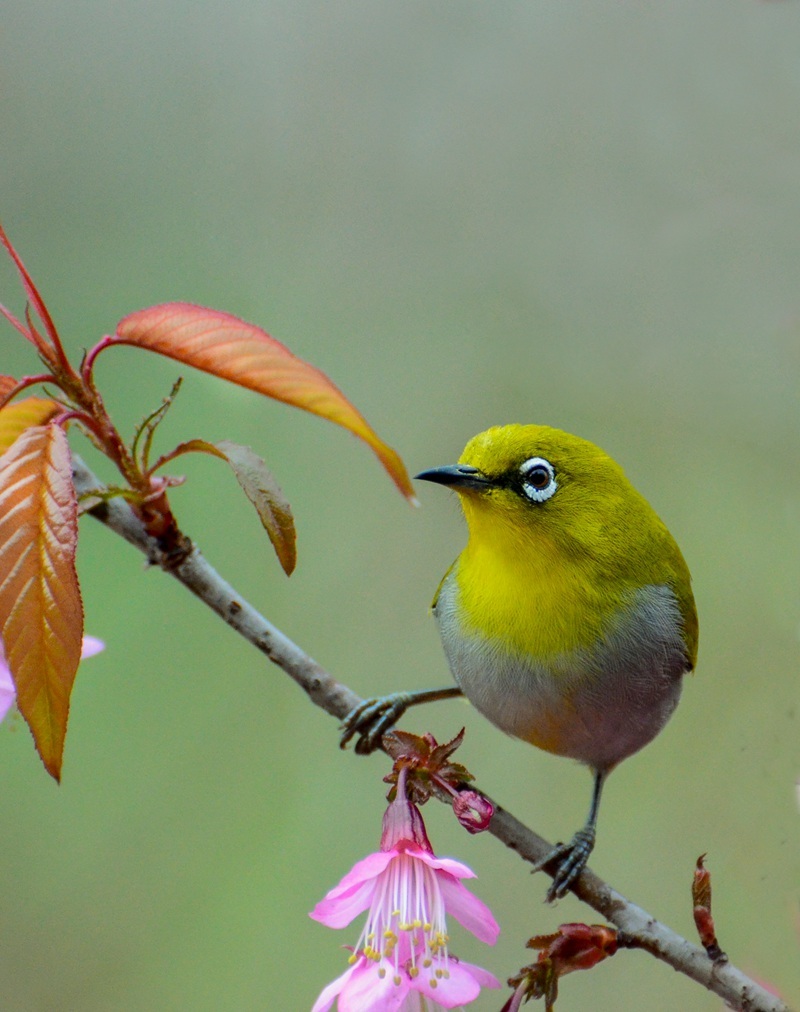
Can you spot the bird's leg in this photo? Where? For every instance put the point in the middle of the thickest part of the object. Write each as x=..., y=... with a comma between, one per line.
x=566, y=861
x=371, y=719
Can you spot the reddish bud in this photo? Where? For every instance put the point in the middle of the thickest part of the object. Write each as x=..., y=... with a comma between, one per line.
x=576, y=946
x=473, y=811
x=572, y=947
x=704, y=922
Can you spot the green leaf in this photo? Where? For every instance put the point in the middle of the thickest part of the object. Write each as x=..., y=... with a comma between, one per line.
x=259, y=486
x=266, y=495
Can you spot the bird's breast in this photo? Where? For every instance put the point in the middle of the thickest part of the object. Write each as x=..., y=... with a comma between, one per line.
x=599, y=701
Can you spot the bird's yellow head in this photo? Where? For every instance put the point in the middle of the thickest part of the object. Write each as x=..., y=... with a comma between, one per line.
x=539, y=497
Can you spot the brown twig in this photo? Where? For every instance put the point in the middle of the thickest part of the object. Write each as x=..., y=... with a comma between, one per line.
x=200, y=577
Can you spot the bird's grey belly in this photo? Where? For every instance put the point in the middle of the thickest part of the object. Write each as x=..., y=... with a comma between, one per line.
x=597, y=705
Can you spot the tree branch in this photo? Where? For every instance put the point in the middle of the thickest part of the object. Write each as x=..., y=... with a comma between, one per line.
x=198, y=576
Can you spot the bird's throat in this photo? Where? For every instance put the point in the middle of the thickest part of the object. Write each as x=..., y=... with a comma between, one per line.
x=532, y=598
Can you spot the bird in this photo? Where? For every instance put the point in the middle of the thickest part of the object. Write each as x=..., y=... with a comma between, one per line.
x=568, y=620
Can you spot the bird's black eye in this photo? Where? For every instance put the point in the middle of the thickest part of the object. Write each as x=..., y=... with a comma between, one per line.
x=538, y=476
x=538, y=479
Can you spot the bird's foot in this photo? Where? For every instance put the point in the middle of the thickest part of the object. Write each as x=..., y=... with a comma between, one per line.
x=566, y=861
x=371, y=719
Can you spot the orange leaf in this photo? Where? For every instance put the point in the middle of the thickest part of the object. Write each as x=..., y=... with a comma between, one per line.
x=21, y=415
x=242, y=353
x=40, y=604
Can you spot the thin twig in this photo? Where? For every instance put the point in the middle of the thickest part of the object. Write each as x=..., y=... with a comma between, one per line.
x=197, y=574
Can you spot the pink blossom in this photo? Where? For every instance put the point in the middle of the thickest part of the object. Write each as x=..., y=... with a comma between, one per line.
x=91, y=646
x=402, y=961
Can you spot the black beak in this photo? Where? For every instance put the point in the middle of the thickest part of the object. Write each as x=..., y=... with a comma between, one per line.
x=456, y=476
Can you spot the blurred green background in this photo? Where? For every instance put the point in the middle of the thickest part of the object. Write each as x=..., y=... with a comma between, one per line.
x=585, y=214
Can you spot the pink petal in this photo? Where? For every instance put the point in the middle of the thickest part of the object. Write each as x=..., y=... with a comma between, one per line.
x=7, y=690
x=415, y=1002
x=448, y=864
x=366, y=991
x=328, y=995
x=468, y=910
x=354, y=893
x=364, y=870
x=91, y=646
x=457, y=989
x=339, y=911
x=483, y=977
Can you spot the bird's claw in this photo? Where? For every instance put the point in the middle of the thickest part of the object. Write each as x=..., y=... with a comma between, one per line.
x=371, y=719
x=568, y=861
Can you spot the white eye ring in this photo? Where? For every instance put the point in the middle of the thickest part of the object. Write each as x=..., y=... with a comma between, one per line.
x=538, y=479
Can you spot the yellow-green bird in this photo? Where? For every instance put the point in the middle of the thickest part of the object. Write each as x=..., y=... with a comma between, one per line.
x=568, y=620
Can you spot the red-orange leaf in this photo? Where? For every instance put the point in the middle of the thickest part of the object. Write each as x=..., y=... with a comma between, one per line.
x=35, y=300
x=242, y=353
x=40, y=604
x=21, y=415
